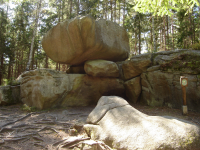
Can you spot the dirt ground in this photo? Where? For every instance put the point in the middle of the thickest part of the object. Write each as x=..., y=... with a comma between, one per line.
x=53, y=129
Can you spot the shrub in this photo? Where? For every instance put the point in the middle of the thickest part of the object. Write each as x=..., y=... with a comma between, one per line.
x=196, y=46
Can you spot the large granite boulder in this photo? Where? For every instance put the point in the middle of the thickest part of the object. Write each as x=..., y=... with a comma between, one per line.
x=101, y=68
x=44, y=88
x=136, y=65
x=80, y=39
x=121, y=126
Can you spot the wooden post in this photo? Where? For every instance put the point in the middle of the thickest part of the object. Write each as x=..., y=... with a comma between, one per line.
x=184, y=95
x=184, y=84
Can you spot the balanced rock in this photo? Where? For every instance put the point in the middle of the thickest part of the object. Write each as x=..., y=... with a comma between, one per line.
x=44, y=88
x=121, y=126
x=101, y=68
x=80, y=39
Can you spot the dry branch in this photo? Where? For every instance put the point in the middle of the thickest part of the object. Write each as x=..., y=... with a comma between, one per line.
x=72, y=141
x=29, y=114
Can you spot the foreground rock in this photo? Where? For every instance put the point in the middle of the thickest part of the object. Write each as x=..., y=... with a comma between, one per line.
x=121, y=126
x=82, y=38
x=44, y=88
x=101, y=68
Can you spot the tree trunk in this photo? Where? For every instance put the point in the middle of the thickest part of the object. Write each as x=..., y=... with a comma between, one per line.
x=167, y=18
x=34, y=34
x=46, y=62
x=1, y=70
x=154, y=39
x=115, y=15
x=111, y=9
x=119, y=11
x=139, y=35
x=124, y=12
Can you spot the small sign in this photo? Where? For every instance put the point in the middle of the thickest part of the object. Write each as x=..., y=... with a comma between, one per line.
x=183, y=81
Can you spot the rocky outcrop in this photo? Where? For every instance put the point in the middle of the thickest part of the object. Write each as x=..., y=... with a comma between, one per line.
x=9, y=95
x=133, y=89
x=136, y=65
x=160, y=78
x=101, y=68
x=43, y=88
x=82, y=38
x=121, y=126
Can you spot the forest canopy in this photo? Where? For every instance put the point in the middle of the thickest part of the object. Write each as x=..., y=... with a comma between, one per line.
x=156, y=25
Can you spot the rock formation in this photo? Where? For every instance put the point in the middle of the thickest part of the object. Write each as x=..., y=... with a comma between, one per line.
x=82, y=38
x=101, y=68
x=160, y=78
x=43, y=88
x=121, y=126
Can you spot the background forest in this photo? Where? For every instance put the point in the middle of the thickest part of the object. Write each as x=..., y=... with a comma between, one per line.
x=23, y=24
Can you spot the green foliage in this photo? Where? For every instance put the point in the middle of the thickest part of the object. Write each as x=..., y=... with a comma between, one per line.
x=163, y=7
x=28, y=109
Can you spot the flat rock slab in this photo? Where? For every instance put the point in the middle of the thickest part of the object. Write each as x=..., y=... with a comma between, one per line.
x=124, y=127
x=80, y=39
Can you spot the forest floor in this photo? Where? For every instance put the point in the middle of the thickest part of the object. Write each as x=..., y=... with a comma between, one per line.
x=59, y=128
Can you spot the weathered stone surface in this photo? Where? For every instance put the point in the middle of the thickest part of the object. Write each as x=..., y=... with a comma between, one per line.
x=9, y=95
x=104, y=104
x=124, y=127
x=163, y=88
x=101, y=68
x=133, y=89
x=76, y=70
x=43, y=88
x=82, y=38
x=136, y=65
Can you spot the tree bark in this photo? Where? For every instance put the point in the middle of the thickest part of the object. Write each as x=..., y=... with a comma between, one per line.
x=34, y=34
x=1, y=69
x=154, y=40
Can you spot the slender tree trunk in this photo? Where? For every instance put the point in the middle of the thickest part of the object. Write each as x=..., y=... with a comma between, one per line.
x=1, y=69
x=70, y=9
x=111, y=9
x=135, y=43
x=78, y=7
x=139, y=35
x=119, y=11
x=34, y=34
x=167, y=46
x=124, y=12
x=172, y=32
x=151, y=40
x=46, y=62
x=115, y=15
x=154, y=39
x=164, y=35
